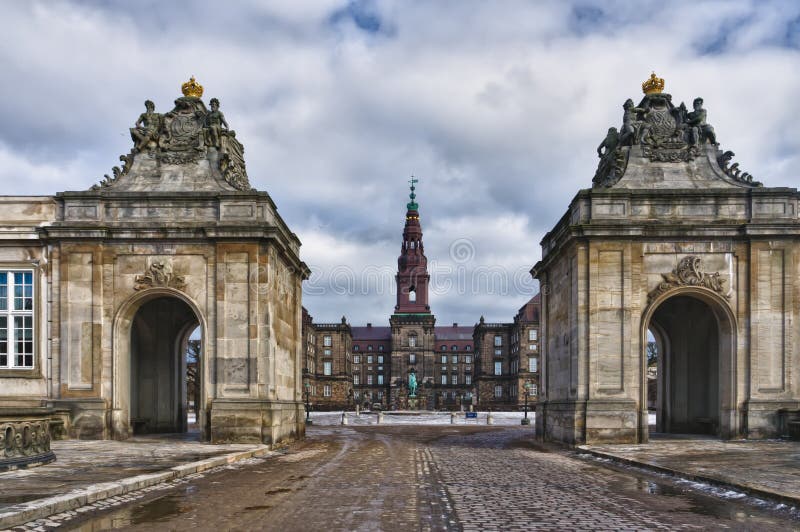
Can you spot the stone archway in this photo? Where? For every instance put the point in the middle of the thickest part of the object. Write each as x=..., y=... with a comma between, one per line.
x=151, y=331
x=695, y=332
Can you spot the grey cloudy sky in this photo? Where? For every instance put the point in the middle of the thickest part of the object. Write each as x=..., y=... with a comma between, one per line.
x=497, y=107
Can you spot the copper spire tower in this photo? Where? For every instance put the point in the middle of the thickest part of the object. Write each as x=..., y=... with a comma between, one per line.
x=412, y=265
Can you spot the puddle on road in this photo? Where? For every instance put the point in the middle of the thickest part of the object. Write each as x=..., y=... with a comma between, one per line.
x=152, y=511
x=707, y=500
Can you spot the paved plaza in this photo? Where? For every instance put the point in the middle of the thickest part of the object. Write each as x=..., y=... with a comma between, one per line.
x=428, y=476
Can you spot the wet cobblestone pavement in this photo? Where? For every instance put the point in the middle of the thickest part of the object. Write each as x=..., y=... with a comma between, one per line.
x=421, y=478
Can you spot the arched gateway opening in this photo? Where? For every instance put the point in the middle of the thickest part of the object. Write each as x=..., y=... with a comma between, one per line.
x=159, y=340
x=688, y=353
x=159, y=358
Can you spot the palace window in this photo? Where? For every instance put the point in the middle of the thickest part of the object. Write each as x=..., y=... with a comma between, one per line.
x=468, y=379
x=467, y=359
x=498, y=368
x=369, y=348
x=16, y=319
x=380, y=348
x=533, y=390
x=498, y=340
x=380, y=380
x=327, y=367
x=380, y=359
x=533, y=364
x=468, y=348
x=444, y=379
x=454, y=379
x=532, y=335
x=444, y=348
x=498, y=352
x=412, y=358
x=412, y=341
x=532, y=347
x=356, y=359
x=498, y=391
x=369, y=380
x=412, y=296
x=444, y=359
x=356, y=395
x=327, y=341
x=369, y=359
x=454, y=359
x=355, y=348
x=356, y=379
x=326, y=352
x=326, y=391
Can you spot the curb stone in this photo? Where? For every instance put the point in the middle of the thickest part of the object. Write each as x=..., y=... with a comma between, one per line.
x=754, y=491
x=41, y=508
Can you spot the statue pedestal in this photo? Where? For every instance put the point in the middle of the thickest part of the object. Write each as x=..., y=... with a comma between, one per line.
x=25, y=437
x=412, y=403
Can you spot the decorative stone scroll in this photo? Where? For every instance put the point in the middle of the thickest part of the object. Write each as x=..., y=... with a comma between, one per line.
x=159, y=273
x=185, y=135
x=664, y=132
x=689, y=272
x=24, y=443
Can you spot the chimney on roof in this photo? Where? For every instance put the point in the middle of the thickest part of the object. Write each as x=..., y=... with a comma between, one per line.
x=369, y=325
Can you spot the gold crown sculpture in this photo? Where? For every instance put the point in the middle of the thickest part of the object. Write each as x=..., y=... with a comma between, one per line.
x=192, y=89
x=653, y=85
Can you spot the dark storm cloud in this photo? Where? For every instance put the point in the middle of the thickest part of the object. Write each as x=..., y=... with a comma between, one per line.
x=496, y=107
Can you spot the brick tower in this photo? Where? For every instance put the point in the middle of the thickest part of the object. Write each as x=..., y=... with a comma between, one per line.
x=412, y=322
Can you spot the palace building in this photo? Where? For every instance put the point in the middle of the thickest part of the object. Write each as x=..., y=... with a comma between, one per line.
x=486, y=365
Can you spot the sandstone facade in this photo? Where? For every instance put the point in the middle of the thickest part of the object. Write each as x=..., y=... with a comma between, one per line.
x=123, y=273
x=672, y=244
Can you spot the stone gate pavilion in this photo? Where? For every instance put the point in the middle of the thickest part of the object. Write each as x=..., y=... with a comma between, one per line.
x=673, y=246
x=100, y=291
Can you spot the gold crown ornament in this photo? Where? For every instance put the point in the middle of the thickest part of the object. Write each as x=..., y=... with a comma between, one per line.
x=654, y=85
x=192, y=89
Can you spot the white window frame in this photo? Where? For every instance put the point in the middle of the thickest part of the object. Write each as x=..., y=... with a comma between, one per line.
x=468, y=379
x=533, y=364
x=15, y=360
x=498, y=392
x=444, y=379
x=412, y=340
x=356, y=359
x=498, y=340
x=380, y=379
x=327, y=368
x=533, y=335
x=412, y=358
x=326, y=390
x=327, y=340
x=454, y=379
x=498, y=368
x=369, y=380
x=356, y=379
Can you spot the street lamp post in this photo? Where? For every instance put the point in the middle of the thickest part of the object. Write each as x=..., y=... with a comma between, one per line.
x=525, y=420
x=308, y=394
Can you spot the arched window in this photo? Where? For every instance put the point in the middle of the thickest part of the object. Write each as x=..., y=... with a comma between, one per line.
x=469, y=348
x=412, y=340
x=412, y=294
x=444, y=348
x=454, y=348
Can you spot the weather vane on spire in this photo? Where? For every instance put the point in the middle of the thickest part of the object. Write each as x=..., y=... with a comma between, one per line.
x=413, y=205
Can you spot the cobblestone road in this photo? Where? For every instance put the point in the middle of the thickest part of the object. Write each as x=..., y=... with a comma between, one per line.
x=420, y=478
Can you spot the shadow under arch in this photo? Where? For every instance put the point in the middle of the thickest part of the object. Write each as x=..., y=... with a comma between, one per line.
x=122, y=339
x=675, y=362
